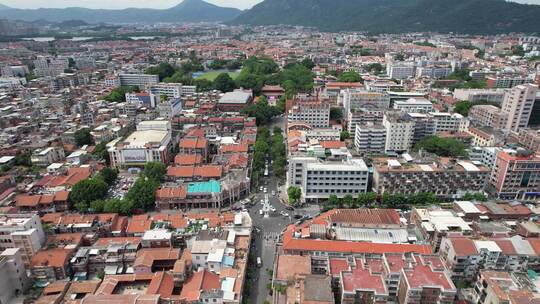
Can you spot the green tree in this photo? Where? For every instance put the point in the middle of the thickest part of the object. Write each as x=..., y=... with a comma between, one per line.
x=348, y=201
x=441, y=146
x=294, y=194
x=336, y=113
x=349, y=76
x=476, y=196
x=344, y=135
x=308, y=63
x=119, y=94
x=203, y=84
x=88, y=190
x=23, y=159
x=155, y=170
x=374, y=68
x=224, y=83
x=333, y=201
x=97, y=206
x=143, y=193
x=164, y=70
x=100, y=152
x=83, y=137
x=462, y=107
x=365, y=198
x=109, y=175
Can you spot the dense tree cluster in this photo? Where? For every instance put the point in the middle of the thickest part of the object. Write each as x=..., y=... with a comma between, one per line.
x=260, y=149
x=262, y=112
x=349, y=76
x=119, y=94
x=278, y=153
x=441, y=146
x=83, y=137
x=294, y=194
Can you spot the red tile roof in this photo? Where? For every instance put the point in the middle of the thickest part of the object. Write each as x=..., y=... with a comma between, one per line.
x=293, y=244
x=463, y=246
x=171, y=193
x=332, y=144
x=200, y=281
x=193, y=143
x=187, y=159
x=57, y=257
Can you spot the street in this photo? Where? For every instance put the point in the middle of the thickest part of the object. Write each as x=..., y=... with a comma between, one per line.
x=269, y=229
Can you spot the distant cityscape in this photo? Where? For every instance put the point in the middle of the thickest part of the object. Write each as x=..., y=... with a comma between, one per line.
x=200, y=162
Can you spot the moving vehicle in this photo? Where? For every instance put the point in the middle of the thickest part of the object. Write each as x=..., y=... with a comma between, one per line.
x=259, y=262
x=273, y=193
x=265, y=190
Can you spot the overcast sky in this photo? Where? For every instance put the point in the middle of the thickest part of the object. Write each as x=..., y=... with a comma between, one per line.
x=117, y=4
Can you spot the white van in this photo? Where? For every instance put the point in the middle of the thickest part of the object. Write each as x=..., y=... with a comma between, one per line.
x=259, y=262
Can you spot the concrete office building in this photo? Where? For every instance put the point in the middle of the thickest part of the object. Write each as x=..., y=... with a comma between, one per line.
x=505, y=81
x=359, y=105
x=399, y=132
x=487, y=115
x=369, y=138
x=517, y=106
x=414, y=105
x=445, y=177
x=140, y=80
x=516, y=175
x=151, y=142
x=310, y=110
x=148, y=100
x=22, y=231
x=172, y=90
x=400, y=70
x=318, y=179
x=475, y=95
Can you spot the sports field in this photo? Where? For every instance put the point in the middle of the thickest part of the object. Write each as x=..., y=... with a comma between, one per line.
x=213, y=74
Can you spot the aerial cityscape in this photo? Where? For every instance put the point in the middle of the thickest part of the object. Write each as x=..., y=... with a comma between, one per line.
x=270, y=152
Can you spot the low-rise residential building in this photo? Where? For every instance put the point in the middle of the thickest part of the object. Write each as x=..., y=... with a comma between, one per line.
x=445, y=177
x=51, y=265
x=414, y=105
x=22, y=231
x=47, y=156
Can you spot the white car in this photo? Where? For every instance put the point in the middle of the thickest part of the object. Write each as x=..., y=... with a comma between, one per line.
x=265, y=190
x=272, y=209
x=261, y=188
x=273, y=193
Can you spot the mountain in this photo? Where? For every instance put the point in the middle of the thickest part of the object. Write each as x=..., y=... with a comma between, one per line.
x=396, y=16
x=4, y=7
x=187, y=11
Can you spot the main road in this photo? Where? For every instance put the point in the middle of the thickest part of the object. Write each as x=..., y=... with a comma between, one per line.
x=267, y=230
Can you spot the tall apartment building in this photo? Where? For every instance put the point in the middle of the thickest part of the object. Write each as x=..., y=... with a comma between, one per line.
x=369, y=138
x=399, y=132
x=44, y=66
x=310, y=110
x=437, y=122
x=487, y=115
x=516, y=175
x=140, y=80
x=400, y=70
x=443, y=176
x=529, y=139
x=517, y=106
x=359, y=105
x=319, y=179
x=362, y=116
x=433, y=71
x=13, y=278
x=505, y=81
x=474, y=95
x=485, y=155
x=22, y=231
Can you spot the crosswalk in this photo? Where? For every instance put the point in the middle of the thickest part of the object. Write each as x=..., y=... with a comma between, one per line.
x=270, y=238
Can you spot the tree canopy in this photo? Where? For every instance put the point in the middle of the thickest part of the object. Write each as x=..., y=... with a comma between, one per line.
x=83, y=137
x=143, y=193
x=224, y=83
x=441, y=146
x=349, y=76
x=294, y=194
x=154, y=170
x=86, y=191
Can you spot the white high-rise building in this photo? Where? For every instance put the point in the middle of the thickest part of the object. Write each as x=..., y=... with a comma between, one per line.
x=140, y=80
x=517, y=106
x=399, y=132
x=318, y=179
x=400, y=70
x=21, y=231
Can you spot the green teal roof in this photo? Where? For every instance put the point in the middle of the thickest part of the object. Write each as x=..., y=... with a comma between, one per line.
x=209, y=186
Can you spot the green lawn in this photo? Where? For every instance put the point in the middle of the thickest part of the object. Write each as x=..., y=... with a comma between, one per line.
x=212, y=75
